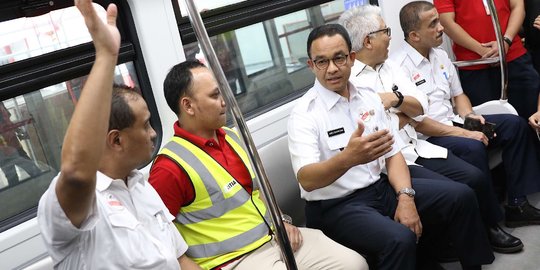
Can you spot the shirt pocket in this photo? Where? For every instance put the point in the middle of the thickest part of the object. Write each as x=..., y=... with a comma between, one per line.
x=338, y=142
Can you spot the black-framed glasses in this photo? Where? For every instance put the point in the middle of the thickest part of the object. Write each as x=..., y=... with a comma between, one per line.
x=386, y=30
x=338, y=60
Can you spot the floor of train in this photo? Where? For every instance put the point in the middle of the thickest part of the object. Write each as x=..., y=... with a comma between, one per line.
x=527, y=259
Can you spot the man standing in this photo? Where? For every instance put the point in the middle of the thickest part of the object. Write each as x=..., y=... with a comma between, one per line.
x=340, y=142
x=469, y=25
x=432, y=71
x=206, y=180
x=370, y=39
x=99, y=212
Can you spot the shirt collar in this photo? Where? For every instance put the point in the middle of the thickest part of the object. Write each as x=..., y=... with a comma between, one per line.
x=194, y=139
x=331, y=98
x=359, y=66
x=103, y=181
x=415, y=56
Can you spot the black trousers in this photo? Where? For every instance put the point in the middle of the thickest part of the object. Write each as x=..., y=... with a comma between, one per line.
x=461, y=171
x=364, y=222
x=520, y=158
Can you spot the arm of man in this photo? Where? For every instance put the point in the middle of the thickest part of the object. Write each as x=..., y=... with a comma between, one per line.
x=517, y=15
x=534, y=120
x=430, y=127
x=399, y=178
x=460, y=36
x=80, y=161
x=410, y=105
x=187, y=264
x=463, y=106
x=360, y=150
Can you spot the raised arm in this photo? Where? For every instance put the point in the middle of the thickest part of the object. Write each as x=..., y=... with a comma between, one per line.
x=84, y=142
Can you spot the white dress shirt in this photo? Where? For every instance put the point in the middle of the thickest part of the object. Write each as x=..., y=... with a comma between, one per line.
x=128, y=227
x=381, y=80
x=436, y=77
x=321, y=125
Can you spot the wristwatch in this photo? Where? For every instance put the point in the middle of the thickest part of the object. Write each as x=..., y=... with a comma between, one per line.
x=407, y=191
x=508, y=41
x=286, y=218
x=400, y=98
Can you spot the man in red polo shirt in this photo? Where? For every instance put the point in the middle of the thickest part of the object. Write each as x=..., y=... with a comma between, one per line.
x=206, y=180
x=468, y=24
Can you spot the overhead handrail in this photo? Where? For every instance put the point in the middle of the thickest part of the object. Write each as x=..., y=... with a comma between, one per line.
x=210, y=55
x=502, y=54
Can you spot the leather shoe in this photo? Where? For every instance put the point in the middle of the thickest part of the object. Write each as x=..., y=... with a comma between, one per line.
x=522, y=215
x=502, y=241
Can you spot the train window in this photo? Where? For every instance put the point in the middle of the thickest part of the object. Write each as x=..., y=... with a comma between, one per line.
x=32, y=128
x=23, y=38
x=207, y=4
x=266, y=62
x=45, y=61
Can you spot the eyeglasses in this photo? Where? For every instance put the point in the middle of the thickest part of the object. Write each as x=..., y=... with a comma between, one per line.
x=386, y=30
x=339, y=61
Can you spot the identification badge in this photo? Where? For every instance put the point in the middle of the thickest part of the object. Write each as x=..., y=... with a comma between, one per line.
x=486, y=7
x=335, y=132
x=420, y=82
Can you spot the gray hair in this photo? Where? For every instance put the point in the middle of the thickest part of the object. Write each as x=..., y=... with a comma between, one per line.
x=359, y=22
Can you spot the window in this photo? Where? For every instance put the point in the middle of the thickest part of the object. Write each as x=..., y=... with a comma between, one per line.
x=265, y=61
x=44, y=62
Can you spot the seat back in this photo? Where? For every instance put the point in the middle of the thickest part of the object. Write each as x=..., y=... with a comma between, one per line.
x=277, y=164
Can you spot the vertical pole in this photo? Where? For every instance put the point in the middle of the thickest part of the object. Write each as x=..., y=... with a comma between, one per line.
x=204, y=41
x=502, y=53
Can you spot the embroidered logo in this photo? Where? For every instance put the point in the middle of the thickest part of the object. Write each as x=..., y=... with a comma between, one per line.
x=114, y=203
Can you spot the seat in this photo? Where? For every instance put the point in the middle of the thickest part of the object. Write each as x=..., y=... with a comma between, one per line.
x=277, y=164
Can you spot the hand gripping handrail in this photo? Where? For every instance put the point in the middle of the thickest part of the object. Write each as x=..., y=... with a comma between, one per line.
x=209, y=53
x=502, y=54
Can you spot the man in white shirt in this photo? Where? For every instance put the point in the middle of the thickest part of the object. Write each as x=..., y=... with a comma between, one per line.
x=99, y=212
x=370, y=39
x=339, y=141
x=432, y=71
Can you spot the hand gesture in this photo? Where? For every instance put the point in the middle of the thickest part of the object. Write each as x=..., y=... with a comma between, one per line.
x=492, y=49
x=363, y=149
x=106, y=37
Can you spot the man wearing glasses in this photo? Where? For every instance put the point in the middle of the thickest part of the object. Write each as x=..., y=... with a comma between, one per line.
x=340, y=141
x=372, y=70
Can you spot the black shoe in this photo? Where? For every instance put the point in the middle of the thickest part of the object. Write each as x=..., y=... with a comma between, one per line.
x=502, y=241
x=522, y=215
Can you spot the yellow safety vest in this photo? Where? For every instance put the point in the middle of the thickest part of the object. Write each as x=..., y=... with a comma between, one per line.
x=224, y=221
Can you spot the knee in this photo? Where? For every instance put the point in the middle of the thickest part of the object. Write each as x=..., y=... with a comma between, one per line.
x=351, y=260
x=462, y=194
x=475, y=178
x=401, y=241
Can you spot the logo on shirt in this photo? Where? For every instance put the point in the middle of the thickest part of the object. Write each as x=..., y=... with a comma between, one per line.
x=229, y=186
x=114, y=203
x=366, y=116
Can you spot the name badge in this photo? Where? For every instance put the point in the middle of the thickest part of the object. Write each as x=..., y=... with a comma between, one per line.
x=335, y=132
x=420, y=82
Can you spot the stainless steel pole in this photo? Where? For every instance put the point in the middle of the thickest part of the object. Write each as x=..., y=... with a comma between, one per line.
x=275, y=214
x=502, y=53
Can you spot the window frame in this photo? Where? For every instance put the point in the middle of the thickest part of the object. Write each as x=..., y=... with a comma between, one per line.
x=228, y=18
x=32, y=74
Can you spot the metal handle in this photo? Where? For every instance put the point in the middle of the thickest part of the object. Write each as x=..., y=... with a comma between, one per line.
x=209, y=53
x=502, y=54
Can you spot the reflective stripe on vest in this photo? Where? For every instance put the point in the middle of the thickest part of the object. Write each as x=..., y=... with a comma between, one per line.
x=218, y=197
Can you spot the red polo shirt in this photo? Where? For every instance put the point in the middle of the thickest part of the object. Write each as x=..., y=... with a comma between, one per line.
x=173, y=184
x=472, y=17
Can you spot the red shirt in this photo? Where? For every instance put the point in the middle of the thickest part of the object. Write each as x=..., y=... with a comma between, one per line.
x=173, y=184
x=472, y=17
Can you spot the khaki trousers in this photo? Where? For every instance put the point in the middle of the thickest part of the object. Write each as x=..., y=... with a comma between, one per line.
x=317, y=252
